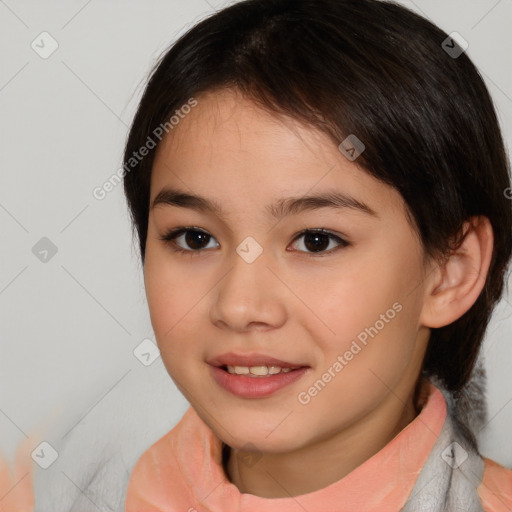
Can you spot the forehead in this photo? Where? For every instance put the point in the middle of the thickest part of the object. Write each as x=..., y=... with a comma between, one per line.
x=225, y=123
x=228, y=148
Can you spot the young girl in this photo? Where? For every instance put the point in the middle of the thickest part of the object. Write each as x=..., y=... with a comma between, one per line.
x=324, y=229
x=319, y=189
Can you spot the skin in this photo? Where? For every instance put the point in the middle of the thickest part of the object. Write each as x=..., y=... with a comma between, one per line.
x=295, y=304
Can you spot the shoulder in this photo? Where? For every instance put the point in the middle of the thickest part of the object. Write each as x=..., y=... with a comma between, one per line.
x=495, y=491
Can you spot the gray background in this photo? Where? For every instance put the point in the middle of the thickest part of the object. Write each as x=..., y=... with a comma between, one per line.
x=69, y=325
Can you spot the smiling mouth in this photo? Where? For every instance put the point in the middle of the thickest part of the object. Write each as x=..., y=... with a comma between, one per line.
x=259, y=381
x=257, y=371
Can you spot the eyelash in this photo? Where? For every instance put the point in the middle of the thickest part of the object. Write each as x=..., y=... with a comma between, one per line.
x=171, y=235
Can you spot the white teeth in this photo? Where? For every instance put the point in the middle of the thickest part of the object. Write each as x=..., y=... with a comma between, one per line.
x=259, y=371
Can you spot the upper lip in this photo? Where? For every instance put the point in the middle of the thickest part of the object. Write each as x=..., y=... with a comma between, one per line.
x=253, y=359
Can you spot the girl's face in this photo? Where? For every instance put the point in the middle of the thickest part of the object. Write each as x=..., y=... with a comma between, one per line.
x=345, y=305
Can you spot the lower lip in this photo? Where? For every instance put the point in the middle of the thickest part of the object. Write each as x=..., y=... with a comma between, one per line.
x=255, y=387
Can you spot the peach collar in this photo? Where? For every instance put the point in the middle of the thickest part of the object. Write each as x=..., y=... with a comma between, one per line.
x=183, y=471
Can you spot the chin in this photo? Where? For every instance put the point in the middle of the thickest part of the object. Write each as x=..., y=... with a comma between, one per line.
x=246, y=438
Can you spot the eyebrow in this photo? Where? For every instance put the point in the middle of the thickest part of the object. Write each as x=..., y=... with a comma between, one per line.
x=282, y=207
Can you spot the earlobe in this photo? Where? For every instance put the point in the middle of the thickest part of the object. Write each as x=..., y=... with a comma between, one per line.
x=456, y=284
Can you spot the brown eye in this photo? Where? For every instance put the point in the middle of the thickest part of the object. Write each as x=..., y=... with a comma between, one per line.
x=196, y=239
x=187, y=240
x=317, y=241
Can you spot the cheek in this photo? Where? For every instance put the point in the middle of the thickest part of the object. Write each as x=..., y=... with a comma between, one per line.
x=341, y=301
x=365, y=310
x=174, y=305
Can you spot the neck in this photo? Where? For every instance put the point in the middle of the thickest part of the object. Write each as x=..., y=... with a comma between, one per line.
x=280, y=475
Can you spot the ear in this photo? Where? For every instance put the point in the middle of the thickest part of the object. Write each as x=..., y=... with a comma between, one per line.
x=454, y=286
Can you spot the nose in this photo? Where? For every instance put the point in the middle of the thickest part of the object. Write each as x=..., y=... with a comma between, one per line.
x=249, y=296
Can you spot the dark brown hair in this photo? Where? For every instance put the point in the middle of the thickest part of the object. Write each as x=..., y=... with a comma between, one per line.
x=369, y=68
